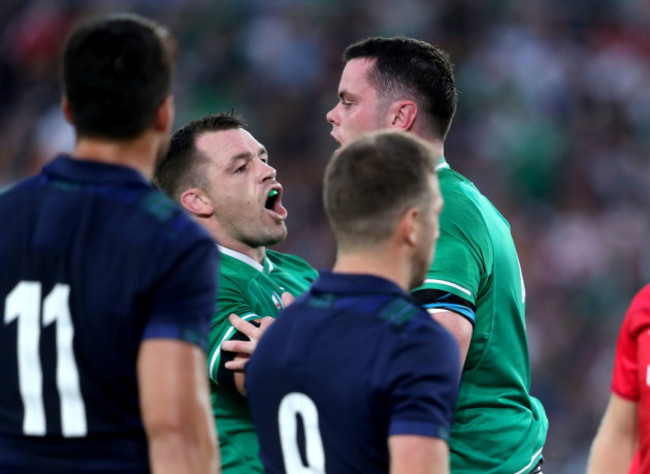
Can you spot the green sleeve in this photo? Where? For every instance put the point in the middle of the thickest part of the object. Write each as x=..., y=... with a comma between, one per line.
x=463, y=252
x=232, y=299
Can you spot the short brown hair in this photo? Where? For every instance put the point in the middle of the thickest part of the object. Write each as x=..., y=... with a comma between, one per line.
x=372, y=181
x=415, y=69
x=181, y=168
x=116, y=71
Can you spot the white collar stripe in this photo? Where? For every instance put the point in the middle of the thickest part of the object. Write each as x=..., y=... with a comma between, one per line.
x=242, y=258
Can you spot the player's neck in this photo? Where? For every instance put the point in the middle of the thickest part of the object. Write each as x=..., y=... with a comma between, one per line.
x=257, y=254
x=139, y=153
x=368, y=263
x=437, y=144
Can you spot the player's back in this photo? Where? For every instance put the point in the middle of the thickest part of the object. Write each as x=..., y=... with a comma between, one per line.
x=83, y=248
x=477, y=260
x=353, y=364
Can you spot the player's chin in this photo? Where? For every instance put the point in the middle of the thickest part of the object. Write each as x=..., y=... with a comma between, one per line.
x=275, y=234
x=338, y=139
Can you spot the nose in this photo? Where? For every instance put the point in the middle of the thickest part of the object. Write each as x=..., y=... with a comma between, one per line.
x=267, y=171
x=332, y=115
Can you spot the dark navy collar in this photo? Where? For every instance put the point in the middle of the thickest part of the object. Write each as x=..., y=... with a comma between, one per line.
x=68, y=168
x=348, y=283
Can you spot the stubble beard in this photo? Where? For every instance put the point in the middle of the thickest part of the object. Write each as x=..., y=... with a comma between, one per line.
x=266, y=238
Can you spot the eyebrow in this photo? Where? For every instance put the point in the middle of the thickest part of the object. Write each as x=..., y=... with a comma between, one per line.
x=346, y=94
x=247, y=155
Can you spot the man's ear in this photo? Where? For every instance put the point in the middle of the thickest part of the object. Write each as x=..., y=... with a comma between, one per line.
x=409, y=227
x=403, y=114
x=165, y=115
x=67, y=112
x=196, y=202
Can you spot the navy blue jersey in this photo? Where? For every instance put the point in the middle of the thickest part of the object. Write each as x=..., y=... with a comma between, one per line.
x=352, y=362
x=93, y=261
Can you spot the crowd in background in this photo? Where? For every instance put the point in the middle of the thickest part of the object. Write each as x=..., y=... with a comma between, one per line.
x=553, y=127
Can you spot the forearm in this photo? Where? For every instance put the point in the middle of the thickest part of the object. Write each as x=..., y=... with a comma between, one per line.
x=610, y=454
x=175, y=407
x=190, y=449
x=616, y=442
x=413, y=454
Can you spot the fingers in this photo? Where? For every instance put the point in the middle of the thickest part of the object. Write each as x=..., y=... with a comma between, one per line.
x=265, y=323
x=244, y=347
x=237, y=364
x=287, y=299
x=244, y=326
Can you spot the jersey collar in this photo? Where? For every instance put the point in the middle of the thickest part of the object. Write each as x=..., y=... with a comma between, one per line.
x=266, y=268
x=68, y=168
x=343, y=283
x=442, y=163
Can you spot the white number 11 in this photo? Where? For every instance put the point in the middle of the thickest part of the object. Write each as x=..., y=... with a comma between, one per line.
x=23, y=304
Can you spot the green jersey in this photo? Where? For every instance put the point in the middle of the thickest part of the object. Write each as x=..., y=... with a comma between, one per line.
x=251, y=291
x=498, y=427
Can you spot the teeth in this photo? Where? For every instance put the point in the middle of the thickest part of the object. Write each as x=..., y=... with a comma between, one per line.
x=273, y=193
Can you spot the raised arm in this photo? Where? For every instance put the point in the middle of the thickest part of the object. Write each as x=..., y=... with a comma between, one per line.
x=175, y=408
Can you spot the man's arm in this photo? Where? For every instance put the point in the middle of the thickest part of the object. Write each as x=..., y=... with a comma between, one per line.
x=412, y=454
x=175, y=407
x=243, y=349
x=454, y=313
x=617, y=439
x=458, y=326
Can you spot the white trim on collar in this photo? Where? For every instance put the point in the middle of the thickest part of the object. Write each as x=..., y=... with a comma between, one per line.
x=241, y=257
x=442, y=163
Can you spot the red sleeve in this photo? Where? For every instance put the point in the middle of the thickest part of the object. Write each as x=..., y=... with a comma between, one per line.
x=629, y=369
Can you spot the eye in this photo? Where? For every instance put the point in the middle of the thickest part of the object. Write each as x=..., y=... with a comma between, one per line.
x=241, y=168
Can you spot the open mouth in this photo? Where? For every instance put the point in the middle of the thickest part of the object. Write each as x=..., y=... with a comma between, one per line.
x=272, y=199
x=273, y=204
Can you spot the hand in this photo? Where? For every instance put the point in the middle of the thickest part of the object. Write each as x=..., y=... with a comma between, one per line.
x=244, y=349
x=287, y=298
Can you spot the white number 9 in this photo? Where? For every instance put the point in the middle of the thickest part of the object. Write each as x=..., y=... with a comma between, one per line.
x=294, y=404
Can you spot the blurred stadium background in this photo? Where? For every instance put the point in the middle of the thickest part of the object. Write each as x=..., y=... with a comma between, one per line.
x=553, y=126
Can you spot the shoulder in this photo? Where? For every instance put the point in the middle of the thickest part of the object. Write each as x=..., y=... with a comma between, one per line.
x=290, y=263
x=409, y=318
x=419, y=336
x=637, y=317
x=462, y=200
x=463, y=214
x=158, y=207
x=171, y=219
x=235, y=272
x=641, y=300
x=467, y=214
x=25, y=184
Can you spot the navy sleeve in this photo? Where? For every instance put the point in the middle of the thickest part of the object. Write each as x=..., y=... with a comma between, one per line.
x=422, y=381
x=186, y=296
